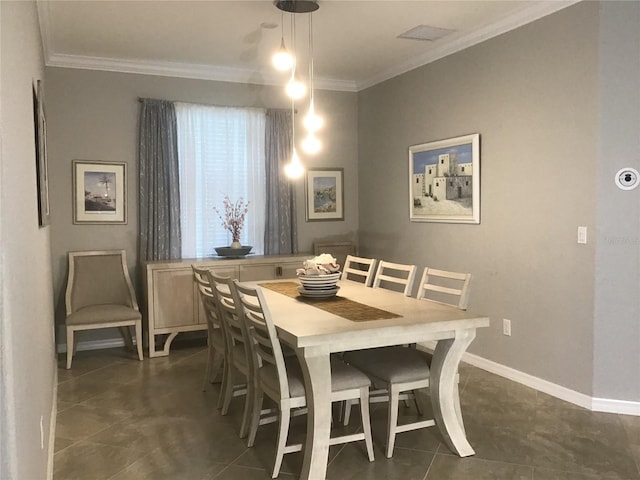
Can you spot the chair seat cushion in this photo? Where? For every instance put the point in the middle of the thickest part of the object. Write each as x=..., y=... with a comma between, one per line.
x=96, y=314
x=343, y=376
x=391, y=364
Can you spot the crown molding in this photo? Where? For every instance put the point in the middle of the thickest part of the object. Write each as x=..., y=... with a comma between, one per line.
x=238, y=75
x=472, y=38
x=183, y=70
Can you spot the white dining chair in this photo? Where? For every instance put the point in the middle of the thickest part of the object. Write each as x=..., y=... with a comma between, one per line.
x=394, y=276
x=239, y=377
x=441, y=286
x=394, y=371
x=359, y=269
x=215, y=333
x=281, y=378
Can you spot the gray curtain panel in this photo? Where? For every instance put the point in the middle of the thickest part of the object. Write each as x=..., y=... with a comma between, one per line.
x=159, y=189
x=281, y=233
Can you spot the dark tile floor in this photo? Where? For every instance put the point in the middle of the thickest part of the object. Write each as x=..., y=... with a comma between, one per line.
x=121, y=419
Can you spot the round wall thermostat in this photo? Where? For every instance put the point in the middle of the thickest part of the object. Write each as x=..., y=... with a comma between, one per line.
x=627, y=178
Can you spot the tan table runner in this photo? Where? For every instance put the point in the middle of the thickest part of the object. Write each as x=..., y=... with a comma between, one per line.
x=343, y=307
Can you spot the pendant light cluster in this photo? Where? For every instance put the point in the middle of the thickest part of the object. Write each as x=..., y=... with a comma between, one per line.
x=284, y=60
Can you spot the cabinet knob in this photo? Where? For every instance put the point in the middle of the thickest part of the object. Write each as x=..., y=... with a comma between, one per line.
x=279, y=271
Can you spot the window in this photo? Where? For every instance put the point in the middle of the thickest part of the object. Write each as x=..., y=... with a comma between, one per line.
x=221, y=153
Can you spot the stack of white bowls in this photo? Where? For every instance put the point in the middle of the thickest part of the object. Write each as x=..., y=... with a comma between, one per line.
x=319, y=286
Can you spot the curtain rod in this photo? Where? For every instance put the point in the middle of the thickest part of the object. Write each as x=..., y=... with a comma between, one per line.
x=141, y=99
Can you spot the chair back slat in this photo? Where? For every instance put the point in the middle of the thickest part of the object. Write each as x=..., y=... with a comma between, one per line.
x=450, y=288
x=391, y=275
x=265, y=342
x=358, y=269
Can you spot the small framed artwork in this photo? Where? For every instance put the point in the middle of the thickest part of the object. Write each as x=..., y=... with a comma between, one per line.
x=99, y=192
x=444, y=181
x=42, y=172
x=325, y=194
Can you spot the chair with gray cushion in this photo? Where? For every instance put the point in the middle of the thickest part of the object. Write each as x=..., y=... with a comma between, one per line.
x=239, y=377
x=100, y=295
x=215, y=334
x=396, y=370
x=281, y=379
x=358, y=269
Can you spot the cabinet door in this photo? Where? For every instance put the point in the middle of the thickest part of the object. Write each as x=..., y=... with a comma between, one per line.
x=221, y=271
x=174, y=298
x=250, y=273
x=287, y=270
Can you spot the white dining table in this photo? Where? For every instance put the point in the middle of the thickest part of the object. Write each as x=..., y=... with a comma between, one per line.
x=316, y=333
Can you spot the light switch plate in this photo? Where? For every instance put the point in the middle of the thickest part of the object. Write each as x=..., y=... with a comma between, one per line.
x=582, y=234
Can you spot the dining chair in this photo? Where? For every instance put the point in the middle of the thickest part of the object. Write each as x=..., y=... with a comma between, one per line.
x=281, y=379
x=99, y=294
x=215, y=334
x=395, y=275
x=399, y=369
x=440, y=286
x=239, y=373
x=358, y=269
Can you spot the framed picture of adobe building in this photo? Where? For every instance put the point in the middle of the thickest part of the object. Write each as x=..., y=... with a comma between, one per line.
x=444, y=180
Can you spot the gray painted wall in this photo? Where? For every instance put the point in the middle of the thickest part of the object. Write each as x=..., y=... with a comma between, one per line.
x=27, y=356
x=617, y=303
x=94, y=116
x=532, y=94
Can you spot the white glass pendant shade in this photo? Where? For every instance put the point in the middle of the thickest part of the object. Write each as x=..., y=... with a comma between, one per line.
x=295, y=88
x=312, y=121
x=294, y=168
x=282, y=59
x=311, y=144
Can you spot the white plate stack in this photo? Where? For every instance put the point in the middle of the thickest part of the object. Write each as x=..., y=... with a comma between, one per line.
x=319, y=286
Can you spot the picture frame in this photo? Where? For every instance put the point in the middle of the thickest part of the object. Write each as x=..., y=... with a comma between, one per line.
x=444, y=180
x=42, y=167
x=99, y=192
x=324, y=192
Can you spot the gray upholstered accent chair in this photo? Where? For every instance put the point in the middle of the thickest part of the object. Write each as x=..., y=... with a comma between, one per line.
x=398, y=372
x=281, y=378
x=395, y=276
x=358, y=269
x=215, y=334
x=239, y=374
x=100, y=295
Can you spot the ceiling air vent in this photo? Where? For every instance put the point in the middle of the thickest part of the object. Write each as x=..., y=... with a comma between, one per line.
x=425, y=33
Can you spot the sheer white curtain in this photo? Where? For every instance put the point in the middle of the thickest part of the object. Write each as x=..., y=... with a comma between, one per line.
x=221, y=153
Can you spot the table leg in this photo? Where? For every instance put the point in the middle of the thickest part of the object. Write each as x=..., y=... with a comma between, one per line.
x=444, y=391
x=317, y=378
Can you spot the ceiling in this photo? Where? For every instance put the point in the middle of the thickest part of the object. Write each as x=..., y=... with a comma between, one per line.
x=355, y=41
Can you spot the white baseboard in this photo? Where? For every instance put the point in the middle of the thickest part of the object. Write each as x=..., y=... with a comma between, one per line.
x=94, y=344
x=594, y=404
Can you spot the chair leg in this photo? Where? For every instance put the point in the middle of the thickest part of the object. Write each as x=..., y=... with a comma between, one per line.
x=417, y=402
x=392, y=419
x=347, y=411
x=70, y=347
x=283, y=432
x=228, y=390
x=366, y=421
x=139, y=340
x=207, y=371
x=255, y=416
x=223, y=385
x=248, y=404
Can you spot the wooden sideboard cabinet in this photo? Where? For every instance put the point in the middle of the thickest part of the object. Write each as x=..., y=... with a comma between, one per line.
x=172, y=301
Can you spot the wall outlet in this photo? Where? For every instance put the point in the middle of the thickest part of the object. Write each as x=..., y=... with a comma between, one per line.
x=582, y=235
x=506, y=327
